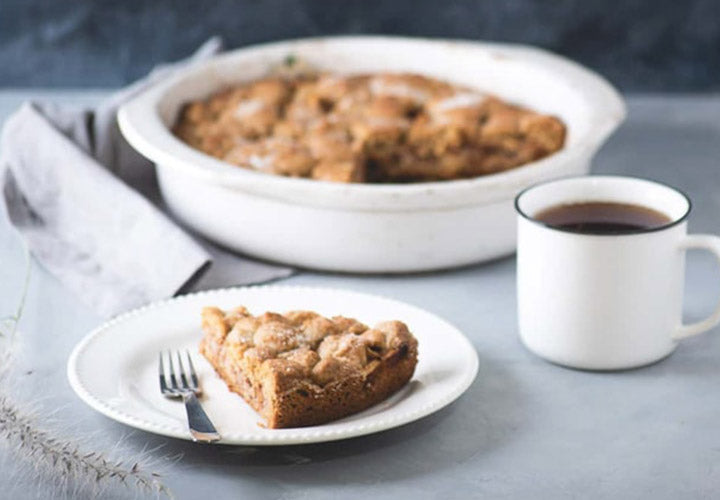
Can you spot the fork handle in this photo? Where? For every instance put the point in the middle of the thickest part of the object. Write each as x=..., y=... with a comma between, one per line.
x=201, y=428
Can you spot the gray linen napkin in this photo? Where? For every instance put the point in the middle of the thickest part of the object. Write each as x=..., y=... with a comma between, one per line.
x=88, y=208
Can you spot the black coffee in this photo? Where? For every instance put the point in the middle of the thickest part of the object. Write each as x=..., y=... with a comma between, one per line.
x=602, y=217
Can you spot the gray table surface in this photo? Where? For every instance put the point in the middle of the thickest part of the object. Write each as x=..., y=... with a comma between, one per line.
x=524, y=429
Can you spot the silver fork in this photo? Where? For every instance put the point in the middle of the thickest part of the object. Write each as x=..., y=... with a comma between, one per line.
x=201, y=428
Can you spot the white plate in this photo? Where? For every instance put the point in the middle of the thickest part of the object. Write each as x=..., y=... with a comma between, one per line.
x=114, y=368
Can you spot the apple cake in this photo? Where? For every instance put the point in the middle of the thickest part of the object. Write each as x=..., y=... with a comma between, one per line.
x=300, y=368
x=378, y=128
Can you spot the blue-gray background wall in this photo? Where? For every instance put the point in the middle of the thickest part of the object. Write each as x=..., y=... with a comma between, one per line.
x=640, y=45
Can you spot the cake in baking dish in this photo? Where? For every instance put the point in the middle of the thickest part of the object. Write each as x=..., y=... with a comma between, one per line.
x=300, y=368
x=377, y=128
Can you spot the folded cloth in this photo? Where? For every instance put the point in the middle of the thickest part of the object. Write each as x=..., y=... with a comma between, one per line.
x=82, y=200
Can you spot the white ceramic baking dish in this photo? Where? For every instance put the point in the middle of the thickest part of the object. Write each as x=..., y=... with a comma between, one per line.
x=370, y=228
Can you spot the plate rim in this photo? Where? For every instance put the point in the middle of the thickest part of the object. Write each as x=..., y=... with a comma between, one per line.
x=303, y=435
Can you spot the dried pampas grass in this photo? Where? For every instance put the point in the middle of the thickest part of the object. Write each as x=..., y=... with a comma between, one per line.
x=68, y=469
x=65, y=467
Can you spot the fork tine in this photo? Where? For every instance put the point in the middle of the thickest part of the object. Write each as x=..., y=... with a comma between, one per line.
x=193, y=373
x=173, y=380
x=161, y=374
x=183, y=377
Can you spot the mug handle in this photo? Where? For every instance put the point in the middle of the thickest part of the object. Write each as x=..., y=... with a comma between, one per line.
x=711, y=243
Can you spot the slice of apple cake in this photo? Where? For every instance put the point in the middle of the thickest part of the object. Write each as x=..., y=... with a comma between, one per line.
x=300, y=368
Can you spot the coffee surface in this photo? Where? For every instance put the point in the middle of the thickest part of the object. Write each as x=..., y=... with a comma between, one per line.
x=602, y=217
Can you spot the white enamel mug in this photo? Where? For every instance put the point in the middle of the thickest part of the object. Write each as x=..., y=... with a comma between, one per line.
x=598, y=301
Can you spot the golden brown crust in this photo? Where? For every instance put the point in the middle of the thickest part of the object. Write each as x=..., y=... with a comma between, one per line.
x=367, y=128
x=302, y=369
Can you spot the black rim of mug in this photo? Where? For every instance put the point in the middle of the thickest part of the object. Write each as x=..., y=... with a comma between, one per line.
x=673, y=223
